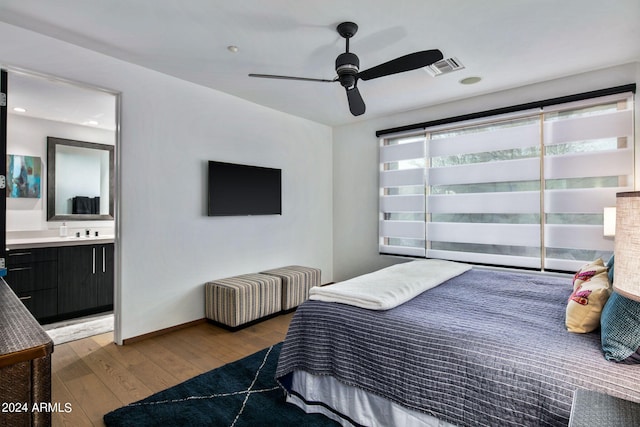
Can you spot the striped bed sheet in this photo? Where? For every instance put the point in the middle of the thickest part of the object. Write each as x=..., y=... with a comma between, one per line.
x=484, y=348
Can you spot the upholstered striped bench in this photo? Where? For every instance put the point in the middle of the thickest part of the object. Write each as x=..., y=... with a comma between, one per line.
x=239, y=300
x=296, y=282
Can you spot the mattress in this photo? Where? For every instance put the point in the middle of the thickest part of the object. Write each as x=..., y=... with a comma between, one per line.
x=483, y=348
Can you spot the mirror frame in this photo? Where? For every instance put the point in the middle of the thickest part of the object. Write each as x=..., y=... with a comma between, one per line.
x=52, y=143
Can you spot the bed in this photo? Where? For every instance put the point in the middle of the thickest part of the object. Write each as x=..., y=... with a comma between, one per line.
x=482, y=348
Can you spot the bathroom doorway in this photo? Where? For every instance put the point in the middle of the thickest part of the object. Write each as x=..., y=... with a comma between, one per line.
x=41, y=108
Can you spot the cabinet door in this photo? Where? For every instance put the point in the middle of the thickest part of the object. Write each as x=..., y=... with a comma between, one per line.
x=42, y=304
x=105, y=275
x=77, y=289
x=32, y=277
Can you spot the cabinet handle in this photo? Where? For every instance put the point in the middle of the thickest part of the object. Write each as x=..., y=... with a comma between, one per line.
x=94, y=260
x=104, y=260
x=19, y=269
x=28, y=297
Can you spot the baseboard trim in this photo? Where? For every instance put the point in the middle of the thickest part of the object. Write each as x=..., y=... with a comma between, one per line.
x=162, y=331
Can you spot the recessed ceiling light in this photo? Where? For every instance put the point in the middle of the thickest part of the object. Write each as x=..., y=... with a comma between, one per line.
x=233, y=49
x=19, y=110
x=470, y=80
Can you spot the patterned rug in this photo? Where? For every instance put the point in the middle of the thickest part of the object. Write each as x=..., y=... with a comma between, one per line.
x=239, y=394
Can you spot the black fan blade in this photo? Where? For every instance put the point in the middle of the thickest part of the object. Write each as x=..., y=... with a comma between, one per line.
x=408, y=62
x=356, y=103
x=307, y=79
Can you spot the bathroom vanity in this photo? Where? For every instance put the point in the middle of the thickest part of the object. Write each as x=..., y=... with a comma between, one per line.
x=60, y=278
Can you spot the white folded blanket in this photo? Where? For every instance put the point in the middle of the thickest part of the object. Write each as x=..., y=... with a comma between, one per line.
x=391, y=286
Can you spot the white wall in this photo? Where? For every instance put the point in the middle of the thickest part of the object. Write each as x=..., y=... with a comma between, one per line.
x=355, y=161
x=167, y=247
x=27, y=136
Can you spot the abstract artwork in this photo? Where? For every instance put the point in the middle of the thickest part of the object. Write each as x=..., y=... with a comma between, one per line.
x=23, y=176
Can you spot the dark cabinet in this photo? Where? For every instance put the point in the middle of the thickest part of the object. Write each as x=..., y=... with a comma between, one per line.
x=33, y=276
x=58, y=283
x=85, y=278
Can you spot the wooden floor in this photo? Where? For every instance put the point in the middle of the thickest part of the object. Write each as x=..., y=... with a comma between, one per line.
x=95, y=376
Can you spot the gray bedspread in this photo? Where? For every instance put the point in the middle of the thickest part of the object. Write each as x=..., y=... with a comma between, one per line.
x=485, y=348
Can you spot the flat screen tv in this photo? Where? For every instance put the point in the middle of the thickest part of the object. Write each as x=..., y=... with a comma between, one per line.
x=244, y=190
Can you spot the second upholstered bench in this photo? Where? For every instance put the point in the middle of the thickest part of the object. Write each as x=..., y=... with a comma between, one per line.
x=296, y=282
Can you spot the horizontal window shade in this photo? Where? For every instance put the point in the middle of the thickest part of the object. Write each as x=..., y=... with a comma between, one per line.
x=526, y=190
x=489, y=234
x=397, y=178
x=502, y=139
x=593, y=164
x=563, y=264
x=403, y=229
x=583, y=200
x=577, y=236
x=402, y=203
x=402, y=250
x=479, y=258
x=590, y=157
x=394, y=153
x=409, y=203
x=506, y=202
x=616, y=124
x=506, y=171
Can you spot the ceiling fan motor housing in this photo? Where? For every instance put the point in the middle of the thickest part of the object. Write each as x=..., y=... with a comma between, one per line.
x=347, y=67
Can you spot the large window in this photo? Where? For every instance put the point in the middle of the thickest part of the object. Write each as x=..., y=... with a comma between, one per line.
x=522, y=189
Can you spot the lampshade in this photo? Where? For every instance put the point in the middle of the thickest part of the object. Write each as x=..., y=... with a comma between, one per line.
x=609, y=221
x=627, y=245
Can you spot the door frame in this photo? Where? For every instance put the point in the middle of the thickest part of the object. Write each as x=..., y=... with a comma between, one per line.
x=3, y=170
x=117, y=298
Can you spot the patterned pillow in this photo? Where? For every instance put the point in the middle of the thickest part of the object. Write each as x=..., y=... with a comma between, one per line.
x=620, y=333
x=591, y=290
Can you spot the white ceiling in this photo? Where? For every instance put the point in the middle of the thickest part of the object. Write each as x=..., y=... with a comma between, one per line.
x=61, y=101
x=509, y=43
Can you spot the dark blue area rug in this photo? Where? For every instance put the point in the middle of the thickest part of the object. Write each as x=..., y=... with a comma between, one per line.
x=239, y=394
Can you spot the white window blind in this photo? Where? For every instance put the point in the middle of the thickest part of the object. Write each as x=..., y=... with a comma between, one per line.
x=402, y=196
x=588, y=159
x=525, y=189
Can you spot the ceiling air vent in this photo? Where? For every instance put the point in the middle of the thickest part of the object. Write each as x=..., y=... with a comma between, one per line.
x=444, y=66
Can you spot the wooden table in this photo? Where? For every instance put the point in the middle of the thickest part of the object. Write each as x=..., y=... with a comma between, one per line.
x=25, y=365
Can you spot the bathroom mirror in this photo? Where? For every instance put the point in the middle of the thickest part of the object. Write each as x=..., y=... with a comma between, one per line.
x=80, y=180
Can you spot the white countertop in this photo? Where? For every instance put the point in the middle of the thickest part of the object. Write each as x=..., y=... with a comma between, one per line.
x=44, y=242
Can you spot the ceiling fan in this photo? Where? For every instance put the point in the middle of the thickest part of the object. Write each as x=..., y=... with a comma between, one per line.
x=348, y=68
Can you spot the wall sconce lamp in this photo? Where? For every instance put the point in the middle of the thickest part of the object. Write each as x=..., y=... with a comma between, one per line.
x=609, y=221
